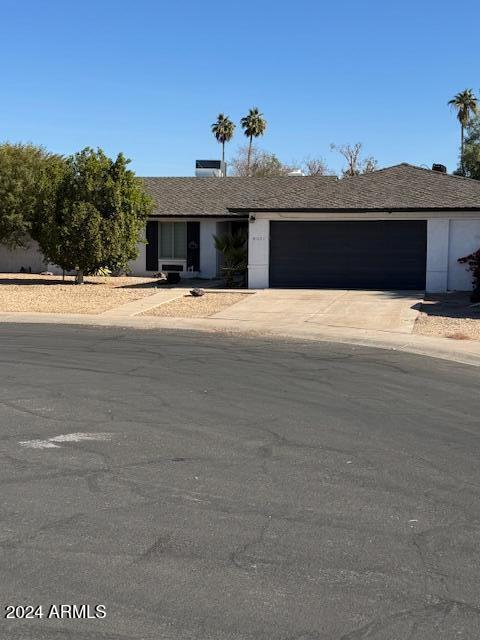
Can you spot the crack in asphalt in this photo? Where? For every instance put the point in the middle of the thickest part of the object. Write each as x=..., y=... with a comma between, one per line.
x=430, y=608
x=237, y=555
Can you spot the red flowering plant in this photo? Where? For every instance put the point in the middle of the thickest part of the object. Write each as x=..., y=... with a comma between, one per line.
x=473, y=262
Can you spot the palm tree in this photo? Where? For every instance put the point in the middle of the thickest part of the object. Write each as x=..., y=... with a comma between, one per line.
x=253, y=125
x=223, y=130
x=466, y=105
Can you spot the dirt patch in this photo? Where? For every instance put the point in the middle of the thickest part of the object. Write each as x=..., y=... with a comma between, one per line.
x=449, y=316
x=202, y=307
x=27, y=293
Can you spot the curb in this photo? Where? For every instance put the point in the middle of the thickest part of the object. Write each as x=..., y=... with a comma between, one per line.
x=467, y=352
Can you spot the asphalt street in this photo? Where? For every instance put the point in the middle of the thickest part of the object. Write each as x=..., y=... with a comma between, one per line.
x=202, y=486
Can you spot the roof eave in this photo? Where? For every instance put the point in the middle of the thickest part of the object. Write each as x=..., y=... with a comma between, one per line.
x=351, y=209
x=227, y=214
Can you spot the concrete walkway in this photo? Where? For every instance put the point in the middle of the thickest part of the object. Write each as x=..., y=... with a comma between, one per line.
x=136, y=307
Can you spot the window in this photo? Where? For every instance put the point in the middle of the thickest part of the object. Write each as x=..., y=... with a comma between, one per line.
x=172, y=240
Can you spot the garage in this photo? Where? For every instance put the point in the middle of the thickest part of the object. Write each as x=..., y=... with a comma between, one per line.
x=380, y=254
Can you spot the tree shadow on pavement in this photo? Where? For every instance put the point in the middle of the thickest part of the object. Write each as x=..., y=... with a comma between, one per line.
x=451, y=305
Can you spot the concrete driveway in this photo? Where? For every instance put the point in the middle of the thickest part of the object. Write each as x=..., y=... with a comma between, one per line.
x=393, y=311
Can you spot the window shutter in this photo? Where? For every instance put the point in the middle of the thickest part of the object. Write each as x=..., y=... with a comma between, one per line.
x=151, y=262
x=193, y=246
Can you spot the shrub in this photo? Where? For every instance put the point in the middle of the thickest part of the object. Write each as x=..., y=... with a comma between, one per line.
x=233, y=246
x=473, y=262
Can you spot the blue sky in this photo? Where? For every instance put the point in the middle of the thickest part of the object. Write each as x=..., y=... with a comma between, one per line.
x=149, y=77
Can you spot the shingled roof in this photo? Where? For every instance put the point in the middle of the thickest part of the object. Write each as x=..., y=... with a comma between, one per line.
x=221, y=196
x=402, y=187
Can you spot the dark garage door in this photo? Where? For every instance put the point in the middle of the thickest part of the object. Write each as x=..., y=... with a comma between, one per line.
x=356, y=255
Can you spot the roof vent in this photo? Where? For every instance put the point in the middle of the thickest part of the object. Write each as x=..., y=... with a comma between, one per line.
x=210, y=169
x=441, y=168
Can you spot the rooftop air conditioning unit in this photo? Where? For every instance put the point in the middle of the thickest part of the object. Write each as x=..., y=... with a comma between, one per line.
x=210, y=169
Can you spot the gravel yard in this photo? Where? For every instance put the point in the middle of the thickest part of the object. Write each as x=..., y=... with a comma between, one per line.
x=190, y=307
x=449, y=316
x=48, y=294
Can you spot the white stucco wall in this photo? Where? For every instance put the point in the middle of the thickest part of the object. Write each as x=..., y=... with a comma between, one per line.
x=464, y=238
x=137, y=267
x=29, y=257
x=437, y=254
x=448, y=240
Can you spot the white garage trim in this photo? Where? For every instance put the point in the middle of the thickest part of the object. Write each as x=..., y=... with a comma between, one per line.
x=258, y=254
x=437, y=254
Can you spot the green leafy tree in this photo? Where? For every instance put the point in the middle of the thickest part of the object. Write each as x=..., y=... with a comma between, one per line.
x=471, y=153
x=100, y=211
x=29, y=177
x=253, y=125
x=466, y=105
x=233, y=247
x=223, y=130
